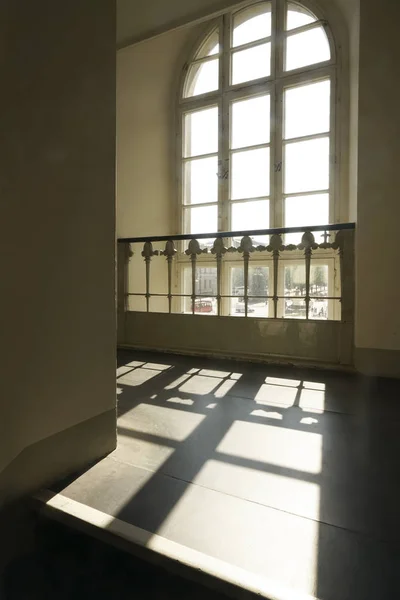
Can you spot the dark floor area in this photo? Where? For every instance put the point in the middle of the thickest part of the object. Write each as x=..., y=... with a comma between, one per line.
x=287, y=474
x=67, y=565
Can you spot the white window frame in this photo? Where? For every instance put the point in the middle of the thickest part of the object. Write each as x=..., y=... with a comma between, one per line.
x=274, y=84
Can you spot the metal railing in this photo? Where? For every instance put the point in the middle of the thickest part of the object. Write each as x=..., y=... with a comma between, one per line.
x=222, y=246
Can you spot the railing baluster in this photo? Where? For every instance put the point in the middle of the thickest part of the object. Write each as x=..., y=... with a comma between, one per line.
x=275, y=246
x=246, y=247
x=219, y=250
x=308, y=245
x=193, y=251
x=147, y=253
x=169, y=252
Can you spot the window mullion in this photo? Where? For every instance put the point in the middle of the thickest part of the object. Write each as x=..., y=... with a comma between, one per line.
x=278, y=165
x=224, y=130
x=277, y=168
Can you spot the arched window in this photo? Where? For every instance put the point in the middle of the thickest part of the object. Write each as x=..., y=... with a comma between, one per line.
x=257, y=113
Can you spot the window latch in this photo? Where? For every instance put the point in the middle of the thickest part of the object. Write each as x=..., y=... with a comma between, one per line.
x=223, y=173
x=278, y=167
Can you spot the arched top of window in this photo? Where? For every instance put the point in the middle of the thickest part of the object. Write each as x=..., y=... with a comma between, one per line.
x=252, y=31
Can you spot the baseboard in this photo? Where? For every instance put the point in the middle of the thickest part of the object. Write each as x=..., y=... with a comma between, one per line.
x=58, y=456
x=271, y=359
x=378, y=363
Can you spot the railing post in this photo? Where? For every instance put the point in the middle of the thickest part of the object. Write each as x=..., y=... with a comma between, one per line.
x=308, y=245
x=147, y=253
x=124, y=254
x=193, y=251
x=219, y=250
x=169, y=252
x=275, y=246
x=246, y=247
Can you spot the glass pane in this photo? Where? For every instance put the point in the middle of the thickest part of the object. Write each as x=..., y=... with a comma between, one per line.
x=307, y=109
x=201, y=181
x=295, y=286
x=319, y=280
x=202, y=78
x=251, y=24
x=201, y=132
x=250, y=122
x=250, y=174
x=307, y=48
x=306, y=210
x=307, y=166
x=318, y=288
x=205, y=289
x=210, y=46
x=258, y=286
x=206, y=281
x=203, y=219
x=252, y=63
x=250, y=215
x=297, y=16
x=257, y=307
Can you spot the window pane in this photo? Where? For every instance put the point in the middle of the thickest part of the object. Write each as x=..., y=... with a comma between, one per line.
x=205, y=290
x=206, y=281
x=258, y=285
x=297, y=16
x=252, y=63
x=319, y=280
x=250, y=174
x=306, y=210
x=319, y=288
x=250, y=122
x=201, y=132
x=295, y=286
x=202, y=78
x=203, y=219
x=307, y=48
x=250, y=215
x=307, y=109
x=251, y=24
x=210, y=46
x=307, y=166
x=201, y=181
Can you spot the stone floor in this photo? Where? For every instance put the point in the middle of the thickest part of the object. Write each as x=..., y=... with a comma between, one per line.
x=289, y=474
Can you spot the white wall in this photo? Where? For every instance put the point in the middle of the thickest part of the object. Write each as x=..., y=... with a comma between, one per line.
x=57, y=239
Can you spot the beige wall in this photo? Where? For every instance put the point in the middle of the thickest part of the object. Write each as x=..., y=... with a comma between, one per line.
x=147, y=74
x=57, y=71
x=378, y=211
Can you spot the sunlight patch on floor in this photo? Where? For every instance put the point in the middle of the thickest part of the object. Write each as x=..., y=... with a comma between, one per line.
x=291, y=448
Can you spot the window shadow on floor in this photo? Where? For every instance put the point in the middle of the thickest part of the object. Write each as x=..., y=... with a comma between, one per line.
x=319, y=448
